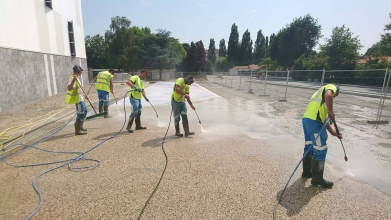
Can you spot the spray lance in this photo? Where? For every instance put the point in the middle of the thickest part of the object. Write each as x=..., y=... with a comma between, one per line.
x=336, y=128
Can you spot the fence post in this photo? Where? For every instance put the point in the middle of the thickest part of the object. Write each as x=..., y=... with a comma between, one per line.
x=381, y=96
x=264, y=88
x=226, y=78
x=384, y=97
x=240, y=82
x=286, y=88
x=322, y=80
x=251, y=76
x=232, y=79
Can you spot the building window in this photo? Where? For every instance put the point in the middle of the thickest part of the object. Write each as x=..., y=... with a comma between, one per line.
x=71, y=38
x=48, y=3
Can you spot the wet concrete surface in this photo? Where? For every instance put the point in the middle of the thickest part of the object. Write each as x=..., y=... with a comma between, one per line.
x=234, y=167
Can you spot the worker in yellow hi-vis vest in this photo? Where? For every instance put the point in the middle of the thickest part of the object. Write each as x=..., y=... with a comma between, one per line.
x=318, y=109
x=74, y=96
x=136, y=91
x=104, y=85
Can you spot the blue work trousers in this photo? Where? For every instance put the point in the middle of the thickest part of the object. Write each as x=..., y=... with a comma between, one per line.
x=81, y=111
x=136, y=107
x=179, y=109
x=103, y=97
x=318, y=147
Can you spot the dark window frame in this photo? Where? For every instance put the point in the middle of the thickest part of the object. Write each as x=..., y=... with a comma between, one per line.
x=71, y=39
x=48, y=3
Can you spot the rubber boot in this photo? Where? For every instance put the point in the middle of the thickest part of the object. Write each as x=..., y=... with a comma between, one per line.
x=317, y=174
x=78, y=130
x=129, y=127
x=177, y=131
x=100, y=109
x=186, y=128
x=138, y=123
x=307, y=167
x=82, y=126
x=106, y=109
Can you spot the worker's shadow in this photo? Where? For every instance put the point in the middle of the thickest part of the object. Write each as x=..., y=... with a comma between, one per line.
x=297, y=196
x=108, y=135
x=157, y=142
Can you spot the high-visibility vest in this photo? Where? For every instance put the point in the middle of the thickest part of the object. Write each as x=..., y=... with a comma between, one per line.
x=103, y=81
x=316, y=108
x=138, y=83
x=73, y=96
x=184, y=88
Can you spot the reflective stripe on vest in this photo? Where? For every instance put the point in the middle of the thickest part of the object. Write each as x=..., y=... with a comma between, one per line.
x=103, y=81
x=73, y=96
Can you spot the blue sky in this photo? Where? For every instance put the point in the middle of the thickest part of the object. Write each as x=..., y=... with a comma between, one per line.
x=194, y=20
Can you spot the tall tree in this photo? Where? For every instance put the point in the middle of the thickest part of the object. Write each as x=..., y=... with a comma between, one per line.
x=342, y=49
x=117, y=40
x=246, y=48
x=233, y=47
x=298, y=38
x=383, y=47
x=259, y=47
x=159, y=51
x=222, y=48
x=96, y=48
x=221, y=64
x=212, y=51
x=267, y=46
x=186, y=46
x=195, y=59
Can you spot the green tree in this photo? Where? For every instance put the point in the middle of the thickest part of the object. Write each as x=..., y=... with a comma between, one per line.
x=186, y=46
x=195, y=59
x=341, y=49
x=259, y=47
x=267, y=46
x=117, y=39
x=246, y=48
x=221, y=64
x=212, y=51
x=222, y=48
x=383, y=47
x=159, y=51
x=96, y=48
x=298, y=38
x=233, y=47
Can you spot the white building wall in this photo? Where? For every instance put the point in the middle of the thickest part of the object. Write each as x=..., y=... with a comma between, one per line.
x=233, y=71
x=31, y=26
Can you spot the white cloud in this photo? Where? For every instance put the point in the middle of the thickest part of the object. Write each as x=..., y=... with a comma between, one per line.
x=147, y=2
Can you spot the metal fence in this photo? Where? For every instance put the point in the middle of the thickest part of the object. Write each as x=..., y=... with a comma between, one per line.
x=365, y=83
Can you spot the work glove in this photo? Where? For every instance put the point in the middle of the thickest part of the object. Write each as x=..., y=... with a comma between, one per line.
x=146, y=99
x=192, y=106
x=137, y=89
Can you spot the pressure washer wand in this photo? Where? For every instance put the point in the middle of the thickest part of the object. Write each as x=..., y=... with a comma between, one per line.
x=336, y=128
x=197, y=117
x=154, y=109
x=114, y=98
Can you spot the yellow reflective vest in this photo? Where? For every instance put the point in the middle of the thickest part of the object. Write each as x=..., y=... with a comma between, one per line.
x=138, y=82
x=184, y=88
x=73, y=96
x=316, y=108
x=103, y=81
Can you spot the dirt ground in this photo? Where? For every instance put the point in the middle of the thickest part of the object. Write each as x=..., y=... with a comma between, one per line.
x=236, y=170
